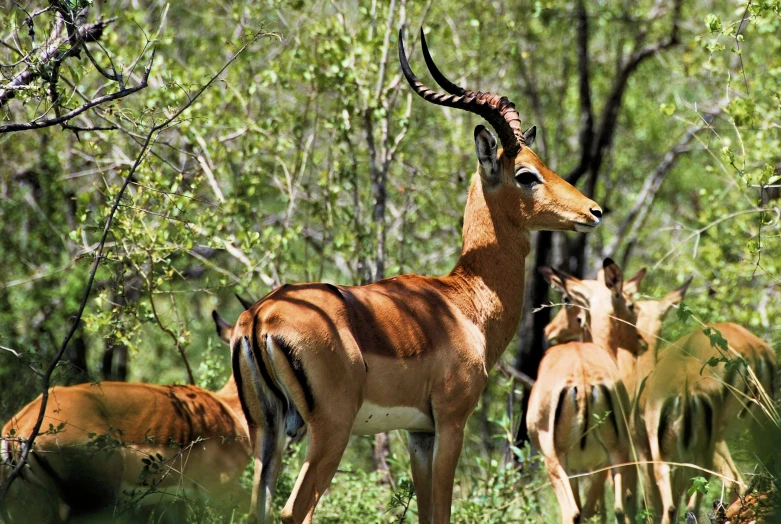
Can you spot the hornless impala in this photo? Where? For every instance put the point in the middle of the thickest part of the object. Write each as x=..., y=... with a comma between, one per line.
x=676, y=421
x=409, y=352
x=569, y=324
x=579, y=406
x=108, y=431
x=716, y=403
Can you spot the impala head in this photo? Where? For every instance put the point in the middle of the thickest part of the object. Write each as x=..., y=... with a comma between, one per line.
x=514, y=179
x=571, y=321
x=651, y=313
x=609, y=311
x=567, y=325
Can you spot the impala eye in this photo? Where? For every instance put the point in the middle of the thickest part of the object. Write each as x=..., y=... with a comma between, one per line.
x=567, y=301
x=527, y=178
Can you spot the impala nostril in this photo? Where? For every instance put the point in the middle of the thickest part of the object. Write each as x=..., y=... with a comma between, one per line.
x=597, y=213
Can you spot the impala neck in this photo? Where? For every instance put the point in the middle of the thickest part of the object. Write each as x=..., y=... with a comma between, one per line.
x=490, y=272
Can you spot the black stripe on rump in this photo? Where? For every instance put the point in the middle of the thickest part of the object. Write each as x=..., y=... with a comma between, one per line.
x=664, y=419
x=611, y=407
x=298, y=369
x=584, y=434
x=235, y=356
x=559, y=407
x=688, y=422
x=256, y=351
x=708, y=407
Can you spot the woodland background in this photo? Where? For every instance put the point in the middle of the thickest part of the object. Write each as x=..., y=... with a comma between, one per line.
x=310, y=159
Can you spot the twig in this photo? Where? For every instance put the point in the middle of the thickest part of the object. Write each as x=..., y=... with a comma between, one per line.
x=520, y=376
x=91, y=32
x=167, y=330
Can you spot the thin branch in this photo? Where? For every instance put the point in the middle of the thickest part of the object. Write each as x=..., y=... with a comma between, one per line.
x=89, y=105
x=520, y=376
x=166, y=329
x=644, y=201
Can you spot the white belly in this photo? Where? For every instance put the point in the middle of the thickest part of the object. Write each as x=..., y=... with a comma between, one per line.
x=373, y=419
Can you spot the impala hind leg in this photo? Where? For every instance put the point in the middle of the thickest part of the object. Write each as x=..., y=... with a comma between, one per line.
x=570, y=510
x=596, y=495
x=624, y=485
x=421, y=455
x=327, y=442
x=268, y=445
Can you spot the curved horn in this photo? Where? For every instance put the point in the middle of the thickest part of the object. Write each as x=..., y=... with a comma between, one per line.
x=496, y=110
x=439, y=78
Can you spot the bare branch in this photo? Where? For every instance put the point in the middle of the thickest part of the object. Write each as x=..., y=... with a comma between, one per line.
x=609, y=117
x=87, y=33
x=122, y=93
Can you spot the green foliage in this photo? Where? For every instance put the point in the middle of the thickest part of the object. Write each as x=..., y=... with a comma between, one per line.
x=699, y=485
x=401, y=498
x=268, y=180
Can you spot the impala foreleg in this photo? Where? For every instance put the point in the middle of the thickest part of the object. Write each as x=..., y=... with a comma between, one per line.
x=327, y=442
x=421, y=454
x=447, y=449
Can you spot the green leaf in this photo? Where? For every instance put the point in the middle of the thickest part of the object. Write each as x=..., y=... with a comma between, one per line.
x=684, y=313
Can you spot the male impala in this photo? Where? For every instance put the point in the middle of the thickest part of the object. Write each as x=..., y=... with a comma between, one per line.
x=579, y=406
x=108, y=431
x=409, y=352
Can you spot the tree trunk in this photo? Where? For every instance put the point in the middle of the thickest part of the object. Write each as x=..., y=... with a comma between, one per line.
x=532, y=331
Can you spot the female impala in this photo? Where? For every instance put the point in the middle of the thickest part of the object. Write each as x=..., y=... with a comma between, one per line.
x=109, y=429
x=687, y=407
x=409, y=352
x=579, y=406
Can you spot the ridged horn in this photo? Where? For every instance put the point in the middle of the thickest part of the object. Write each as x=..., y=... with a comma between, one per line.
x=495, y=109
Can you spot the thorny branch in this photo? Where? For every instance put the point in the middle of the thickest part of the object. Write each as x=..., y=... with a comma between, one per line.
x=145, y=147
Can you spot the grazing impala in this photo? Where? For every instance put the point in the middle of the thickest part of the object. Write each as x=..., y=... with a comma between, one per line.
x=108, y=440
x=579, y=406
x=409, y=352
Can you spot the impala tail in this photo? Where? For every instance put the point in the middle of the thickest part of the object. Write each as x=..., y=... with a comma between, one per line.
x=268, y=405
x=585, y=415
x=687, y=422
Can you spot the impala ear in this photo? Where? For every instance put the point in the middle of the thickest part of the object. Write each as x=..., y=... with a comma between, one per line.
x=529, y=135
x=632, y=285
x=613, y=276
x=485, y=144
x=675, y=297
x=224, y=329
x=244, y=302
x=552, y=278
